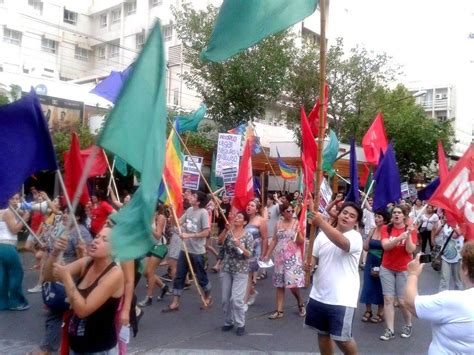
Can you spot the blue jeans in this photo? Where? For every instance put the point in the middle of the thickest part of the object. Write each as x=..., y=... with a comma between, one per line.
x=52, y=337
x=11, y=278
x=197, y=261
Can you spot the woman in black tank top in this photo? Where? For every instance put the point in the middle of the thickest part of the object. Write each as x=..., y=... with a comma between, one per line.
x=94, y=298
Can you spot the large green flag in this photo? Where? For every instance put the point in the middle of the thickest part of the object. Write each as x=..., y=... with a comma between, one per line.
x=243, y=23
x=121, y=166
x=330, y=154
x=216, y=181
x=136, y=131
x=190, y=123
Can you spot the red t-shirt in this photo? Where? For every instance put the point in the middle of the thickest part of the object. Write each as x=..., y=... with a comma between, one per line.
x=397, y=258
x=99, y=216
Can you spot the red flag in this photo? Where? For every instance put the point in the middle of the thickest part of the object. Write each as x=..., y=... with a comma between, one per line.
x=99, y=166
x=302, y=220
x=374, y=140
x=456, y=193
x=309, y=152
x=244, y=184
x=73, y=167
x=443, y=173
x=313, y=117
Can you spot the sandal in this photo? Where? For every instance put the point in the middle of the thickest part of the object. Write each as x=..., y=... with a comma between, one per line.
x=170, y=309
x=377, y=318
x=367, y=316
x=209, y=302
x=301, y=310
x=262, y=277
x=276, y=315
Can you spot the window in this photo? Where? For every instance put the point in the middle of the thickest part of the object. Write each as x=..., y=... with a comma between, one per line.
x=140, y=39
x=168, y=32
x=11, y=36
x=70, y=17
x=156, y=2
x=48, y=45
x=100, y=52
x=115, y=15
x=103, y=20
x=81, y=54
x=36, y=5
x=131, y=7
x=113, y=50
x=175, y=97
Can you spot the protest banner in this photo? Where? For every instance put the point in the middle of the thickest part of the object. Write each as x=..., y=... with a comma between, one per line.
x=191, y=175
x=229, y=175
x=325, y=197
x=228, y=152
x=405, y=189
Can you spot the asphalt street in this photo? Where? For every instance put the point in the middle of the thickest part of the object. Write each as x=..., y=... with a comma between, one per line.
x=195, y=331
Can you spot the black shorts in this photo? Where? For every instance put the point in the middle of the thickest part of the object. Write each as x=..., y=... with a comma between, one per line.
x=331, y=320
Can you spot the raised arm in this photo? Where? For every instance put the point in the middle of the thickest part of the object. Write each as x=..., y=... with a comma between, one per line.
x=332, y=233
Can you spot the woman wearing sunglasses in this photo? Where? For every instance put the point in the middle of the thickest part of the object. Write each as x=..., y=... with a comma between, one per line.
x=288, y=272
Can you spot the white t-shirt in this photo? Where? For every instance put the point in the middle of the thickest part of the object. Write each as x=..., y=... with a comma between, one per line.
x=336, y=280
x=273, y=217
x=429, y=222
x=451, y=314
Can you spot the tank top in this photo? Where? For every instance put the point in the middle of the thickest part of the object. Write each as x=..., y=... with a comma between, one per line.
x=162, y=240
x=97, y=331
x=7, y=237
x=254, y=230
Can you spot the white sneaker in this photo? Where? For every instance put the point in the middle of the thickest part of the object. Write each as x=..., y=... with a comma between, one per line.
x=36, y=289
x=252, y=298
x=246, y=307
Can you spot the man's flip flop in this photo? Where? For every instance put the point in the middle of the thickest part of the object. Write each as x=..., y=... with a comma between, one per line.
x=209, y=303
x=170, y=310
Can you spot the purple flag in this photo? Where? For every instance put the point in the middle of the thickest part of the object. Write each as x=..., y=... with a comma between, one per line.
x=387, y=177
x=425, y=193
x=353, y=194
x=110, y=87
x=25, y=144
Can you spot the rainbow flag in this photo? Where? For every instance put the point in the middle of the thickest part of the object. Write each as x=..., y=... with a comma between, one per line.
x=240, y=129
x=173, y=172
x=287, y=172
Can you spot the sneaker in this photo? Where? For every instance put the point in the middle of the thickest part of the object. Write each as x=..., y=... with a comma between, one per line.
x=36, y=289
x=240, y=331
x=21, y=307
x=146, y=302
x=252, y=298
x=406, y=331
x=387, y=335
x=226, y=328
x=246, y=307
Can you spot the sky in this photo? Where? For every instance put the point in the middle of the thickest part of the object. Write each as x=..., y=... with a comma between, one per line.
x=429, y=38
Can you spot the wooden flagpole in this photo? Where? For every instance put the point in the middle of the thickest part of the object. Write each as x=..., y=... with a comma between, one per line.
x=185, y=248
x=321, y=133
x=111, y=171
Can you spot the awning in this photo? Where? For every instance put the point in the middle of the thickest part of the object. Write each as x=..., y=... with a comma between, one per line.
x=52, y=37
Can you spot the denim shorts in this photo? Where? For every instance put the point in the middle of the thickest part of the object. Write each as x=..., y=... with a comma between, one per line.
x=331, y=320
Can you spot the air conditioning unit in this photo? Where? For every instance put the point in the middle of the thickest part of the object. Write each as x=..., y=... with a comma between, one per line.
x=439, y=96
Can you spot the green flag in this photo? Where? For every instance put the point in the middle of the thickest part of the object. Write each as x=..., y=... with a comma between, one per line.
x=330, y=154
x=136, y=131
x=121, y=166
x=190, y=123
x=370, y=178
x=300, y=181
x=241, y=24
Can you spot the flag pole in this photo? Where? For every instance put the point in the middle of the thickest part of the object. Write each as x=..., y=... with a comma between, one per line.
x=346, y=181
x=369, y=190
x=321, y=132
x=17, y=215
x=111, y=171
x=185, y=248
x=69, y=206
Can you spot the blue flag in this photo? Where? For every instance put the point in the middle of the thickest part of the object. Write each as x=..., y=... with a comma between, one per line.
x=25, y=144
x=353, y=194
x=425, y=193
x=110, y=87
x=387, y=177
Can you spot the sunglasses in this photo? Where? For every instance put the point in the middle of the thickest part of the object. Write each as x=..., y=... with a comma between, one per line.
x=290, y=211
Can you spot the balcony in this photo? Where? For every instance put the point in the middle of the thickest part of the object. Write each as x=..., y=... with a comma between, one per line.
x=439, y=104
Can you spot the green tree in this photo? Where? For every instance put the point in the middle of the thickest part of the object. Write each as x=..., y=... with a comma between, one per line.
x=352, y=78
x=62, y=140
x=413, y=133
x=239, y=89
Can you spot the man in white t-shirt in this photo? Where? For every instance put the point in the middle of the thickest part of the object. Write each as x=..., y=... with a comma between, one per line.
x=451, y=313
x=333, y=297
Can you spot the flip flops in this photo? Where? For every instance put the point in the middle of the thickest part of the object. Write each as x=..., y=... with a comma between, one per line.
x=170, y=310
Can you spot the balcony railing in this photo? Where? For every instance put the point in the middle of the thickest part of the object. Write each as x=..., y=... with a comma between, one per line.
x=439, y=104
